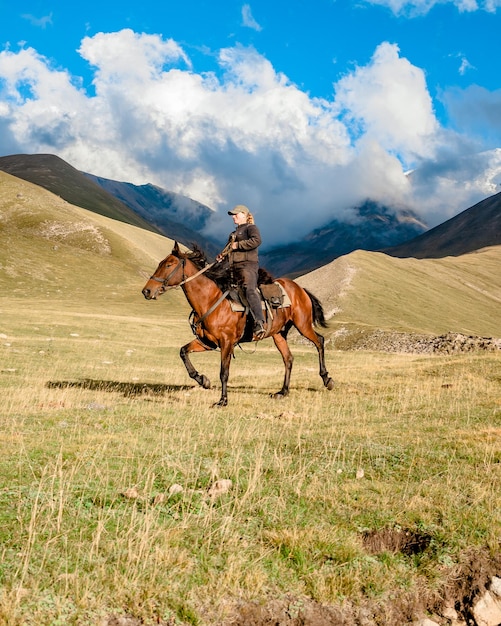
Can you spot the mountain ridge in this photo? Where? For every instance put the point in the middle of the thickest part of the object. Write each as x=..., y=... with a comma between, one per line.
x=375, y=227
x=473, y=229
x=64, y=257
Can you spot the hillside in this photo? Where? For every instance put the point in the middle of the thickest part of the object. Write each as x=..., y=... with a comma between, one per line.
x=375, y=228
x=475, y=228
x=67, y=256
x=63, y=256
x=174, y=215
x=55, y=175
x=179, y=217
x=364, y=290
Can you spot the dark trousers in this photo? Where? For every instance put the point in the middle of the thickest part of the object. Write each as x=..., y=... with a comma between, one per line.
x=245, y=274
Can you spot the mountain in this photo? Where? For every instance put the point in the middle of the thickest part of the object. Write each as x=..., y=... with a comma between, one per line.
x=173, y=214
x=375, y=226
x=475, y=228
x=59, y=257
x=57, y=176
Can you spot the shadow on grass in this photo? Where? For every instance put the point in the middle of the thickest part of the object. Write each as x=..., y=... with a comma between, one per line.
x=114, y=386
x=132, y=390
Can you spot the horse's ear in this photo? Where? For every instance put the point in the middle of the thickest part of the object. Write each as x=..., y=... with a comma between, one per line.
x=176, y=250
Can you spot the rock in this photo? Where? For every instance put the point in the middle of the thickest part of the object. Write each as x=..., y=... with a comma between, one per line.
x=175, y=489
x=393, y=341
x=132, y=493
x=487, y=611
x=220, y=487
x=495, y=587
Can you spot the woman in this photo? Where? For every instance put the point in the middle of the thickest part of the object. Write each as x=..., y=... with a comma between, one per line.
x=243, y=255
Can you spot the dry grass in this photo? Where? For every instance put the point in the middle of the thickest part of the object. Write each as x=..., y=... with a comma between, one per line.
x=108, y=452
x=99, y=421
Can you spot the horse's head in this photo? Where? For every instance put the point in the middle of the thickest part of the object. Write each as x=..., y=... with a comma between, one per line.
x=169, y=273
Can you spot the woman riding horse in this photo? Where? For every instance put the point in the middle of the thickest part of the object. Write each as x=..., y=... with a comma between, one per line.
x=216, y=325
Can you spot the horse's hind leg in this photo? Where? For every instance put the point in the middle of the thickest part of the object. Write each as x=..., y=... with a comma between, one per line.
x=194, y=346
x=317, y=339
x=283, y=347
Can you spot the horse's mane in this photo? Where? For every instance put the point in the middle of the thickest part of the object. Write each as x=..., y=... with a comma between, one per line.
x=220, y=273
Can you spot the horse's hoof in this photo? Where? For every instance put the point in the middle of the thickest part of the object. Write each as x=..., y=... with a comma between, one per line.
x=278, y=396
x=205, y=382
x=330, y=384
x=222, y=402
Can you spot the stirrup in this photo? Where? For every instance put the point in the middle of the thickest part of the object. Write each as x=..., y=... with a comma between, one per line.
x=259, y=330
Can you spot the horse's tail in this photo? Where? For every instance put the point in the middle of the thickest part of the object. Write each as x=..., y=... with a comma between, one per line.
x=318, y=310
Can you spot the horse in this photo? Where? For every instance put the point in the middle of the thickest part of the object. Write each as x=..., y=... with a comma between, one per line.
x=217, y=326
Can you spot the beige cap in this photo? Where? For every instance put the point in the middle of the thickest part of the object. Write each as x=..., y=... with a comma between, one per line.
x=240, y=208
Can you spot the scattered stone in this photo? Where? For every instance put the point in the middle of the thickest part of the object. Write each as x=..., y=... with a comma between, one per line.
x=495, y=587
x=452, y=616
x=160, y=498
x=393, y=341
x=220, y=487
x=132, y=493
x=175, y=489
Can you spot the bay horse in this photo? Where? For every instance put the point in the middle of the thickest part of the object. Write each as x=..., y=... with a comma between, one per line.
x=216, y=325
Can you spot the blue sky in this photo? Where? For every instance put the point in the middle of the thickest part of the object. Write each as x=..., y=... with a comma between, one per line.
x=300, y=108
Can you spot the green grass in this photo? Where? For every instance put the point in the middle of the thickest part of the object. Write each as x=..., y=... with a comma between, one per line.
x=77, y=434
x=99, y=420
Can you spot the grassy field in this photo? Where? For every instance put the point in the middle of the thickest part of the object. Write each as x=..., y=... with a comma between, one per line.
x=108, y=454
x=380, y=497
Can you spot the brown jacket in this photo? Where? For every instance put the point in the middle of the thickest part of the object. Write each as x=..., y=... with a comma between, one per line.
x=248, y=239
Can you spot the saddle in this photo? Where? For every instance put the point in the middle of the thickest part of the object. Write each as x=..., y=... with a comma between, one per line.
x=273, y=296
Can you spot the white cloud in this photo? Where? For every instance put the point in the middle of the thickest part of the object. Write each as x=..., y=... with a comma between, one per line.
x=465, y=66
x=247, y=135
x=248, y=19
x=388, y=101
x=41, y=22
x=421, y=7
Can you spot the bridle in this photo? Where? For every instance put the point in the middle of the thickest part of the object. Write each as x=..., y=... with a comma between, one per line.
x=182, y=263
x=165, y=281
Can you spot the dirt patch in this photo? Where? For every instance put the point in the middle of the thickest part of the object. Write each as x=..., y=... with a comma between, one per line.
x=407, y=542
x=463, y=585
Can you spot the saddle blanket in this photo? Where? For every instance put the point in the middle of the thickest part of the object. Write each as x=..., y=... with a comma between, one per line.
x=237, y=304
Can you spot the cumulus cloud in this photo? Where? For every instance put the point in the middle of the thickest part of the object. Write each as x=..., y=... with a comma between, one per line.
x=388, y=101
x=246, y=134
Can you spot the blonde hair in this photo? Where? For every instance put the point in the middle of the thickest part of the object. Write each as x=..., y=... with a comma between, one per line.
x=250, y=218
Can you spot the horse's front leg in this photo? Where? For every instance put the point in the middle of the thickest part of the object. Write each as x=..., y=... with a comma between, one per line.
x=194, y=346
x=226, y=354
x=283, y=347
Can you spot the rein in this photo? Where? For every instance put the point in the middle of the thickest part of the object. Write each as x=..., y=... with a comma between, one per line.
x=165, y=284
x=194, y=325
